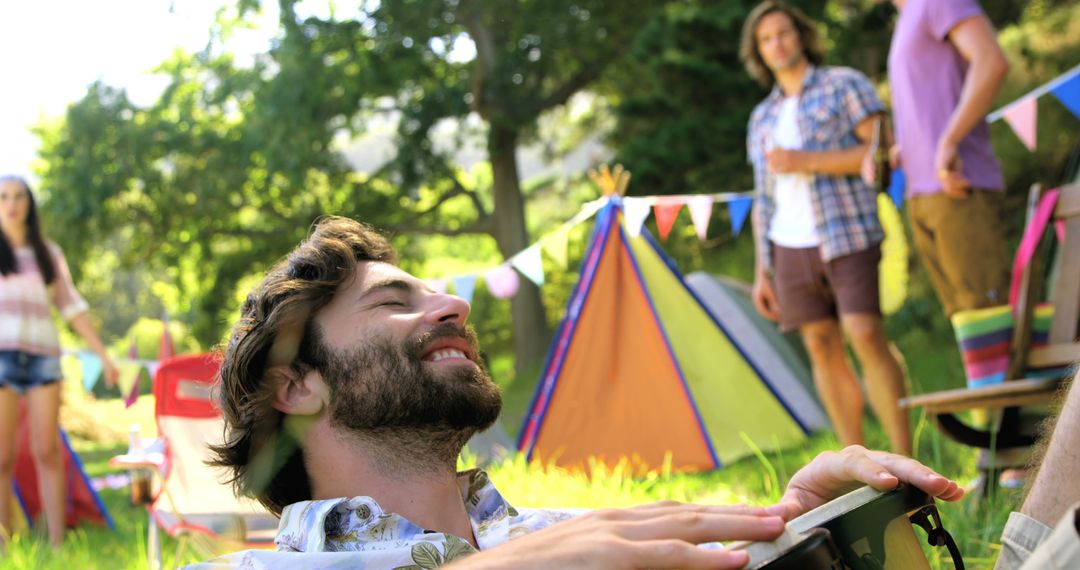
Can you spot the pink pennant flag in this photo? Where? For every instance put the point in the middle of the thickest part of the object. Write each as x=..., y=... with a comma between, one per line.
x=438, y=285
x=502, y=281
x=700, y=212
x=1022, y=117
x=666, y=210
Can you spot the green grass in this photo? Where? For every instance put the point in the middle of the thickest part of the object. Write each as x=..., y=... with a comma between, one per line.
x=975, y=524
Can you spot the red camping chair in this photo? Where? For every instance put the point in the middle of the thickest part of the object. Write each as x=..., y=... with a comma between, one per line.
x=185, y=496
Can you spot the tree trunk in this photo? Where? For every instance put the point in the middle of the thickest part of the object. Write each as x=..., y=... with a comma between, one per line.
x=529, y=324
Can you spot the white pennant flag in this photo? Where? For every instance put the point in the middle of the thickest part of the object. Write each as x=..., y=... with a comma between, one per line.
x=700, y=212
x=635, y=212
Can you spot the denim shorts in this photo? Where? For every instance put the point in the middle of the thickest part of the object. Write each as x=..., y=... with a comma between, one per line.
x=22, y=371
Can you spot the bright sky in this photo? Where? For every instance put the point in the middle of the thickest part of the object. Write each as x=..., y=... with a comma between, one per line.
x=51, y=50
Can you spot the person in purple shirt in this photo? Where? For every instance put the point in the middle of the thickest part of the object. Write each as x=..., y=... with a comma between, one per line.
x=945, y=67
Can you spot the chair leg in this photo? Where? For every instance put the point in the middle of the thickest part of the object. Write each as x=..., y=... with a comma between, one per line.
x=153, y=545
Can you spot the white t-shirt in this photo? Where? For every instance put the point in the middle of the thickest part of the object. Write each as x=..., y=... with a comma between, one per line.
x=793, y=223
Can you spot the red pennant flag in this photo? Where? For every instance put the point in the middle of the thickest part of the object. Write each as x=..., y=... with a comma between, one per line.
x=666, y=210
x=1022, y=117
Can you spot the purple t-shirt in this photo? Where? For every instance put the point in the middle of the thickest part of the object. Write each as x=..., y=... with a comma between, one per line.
x=926, y=76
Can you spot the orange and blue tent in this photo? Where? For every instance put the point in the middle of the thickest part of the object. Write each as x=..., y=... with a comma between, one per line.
x=640, y=369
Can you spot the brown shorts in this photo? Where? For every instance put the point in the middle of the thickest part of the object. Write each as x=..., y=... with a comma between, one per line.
x=961, y=245
x=809, y=289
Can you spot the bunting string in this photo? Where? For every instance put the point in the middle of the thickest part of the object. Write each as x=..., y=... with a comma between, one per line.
x=502, y=280
x=1022, y=114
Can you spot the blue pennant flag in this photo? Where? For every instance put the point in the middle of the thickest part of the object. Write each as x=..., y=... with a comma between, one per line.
x=739, y=209
x=91, y=369
x=896, y=187
x=1068, y=92
x=464, y=285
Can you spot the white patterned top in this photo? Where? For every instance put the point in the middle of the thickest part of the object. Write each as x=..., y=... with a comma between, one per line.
x=26, y=322
x=357, y=534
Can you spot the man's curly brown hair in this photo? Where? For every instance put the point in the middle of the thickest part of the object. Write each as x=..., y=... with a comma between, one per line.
x=264, y=458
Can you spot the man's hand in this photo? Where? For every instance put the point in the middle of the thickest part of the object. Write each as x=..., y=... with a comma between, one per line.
x=765, y=297
x=894, y=157
x=661, y=535
x=786, y=161
x=834, y=473
x=950, y=171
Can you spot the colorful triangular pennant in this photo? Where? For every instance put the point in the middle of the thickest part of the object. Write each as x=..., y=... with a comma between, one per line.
x=666, y=210
x=556, y=244
x=635, y=212
x=700, y=212
x=502, y=281
x=1022, y=117
x=91, y=369
x=739, y=209
x=464, y=286
x=530, y=264
x=1068, y=92
x=438, y=285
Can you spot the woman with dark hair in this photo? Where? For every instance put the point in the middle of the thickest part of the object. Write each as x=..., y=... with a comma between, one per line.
x=34, y=276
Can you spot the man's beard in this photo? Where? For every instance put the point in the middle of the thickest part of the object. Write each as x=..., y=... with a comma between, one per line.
x=413, y=416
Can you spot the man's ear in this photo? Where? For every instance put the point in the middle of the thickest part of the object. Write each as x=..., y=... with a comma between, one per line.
x=296, y=393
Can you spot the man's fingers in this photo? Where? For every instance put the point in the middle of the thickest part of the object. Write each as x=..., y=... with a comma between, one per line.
x=699, y=527
x=919, y=475
x=678, y=554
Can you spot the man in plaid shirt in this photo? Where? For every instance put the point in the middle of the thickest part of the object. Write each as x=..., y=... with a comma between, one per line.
x=815, y=219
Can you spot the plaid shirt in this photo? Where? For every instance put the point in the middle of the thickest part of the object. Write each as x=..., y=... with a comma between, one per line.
x=833, y=101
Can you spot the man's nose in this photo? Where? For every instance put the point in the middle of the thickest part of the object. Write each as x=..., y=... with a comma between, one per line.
x=445, y=308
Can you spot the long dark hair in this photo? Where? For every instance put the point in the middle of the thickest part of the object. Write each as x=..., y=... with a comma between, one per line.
x=812, y=45
x=8, y=263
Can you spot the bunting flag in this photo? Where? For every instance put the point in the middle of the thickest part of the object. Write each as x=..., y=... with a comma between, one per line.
x=530, y=264
x=464, y=286
x=1022, y=113
x=896, y=187
x=666, y=210
x=700, y=212
x=635, y=212
x=1068, y=92
x=502, y=281
x=1022, y=118
x=91, y=369
x=165, y=347
x=128, y=382
x=739, y=209
x=556, y=244
x=439, y=286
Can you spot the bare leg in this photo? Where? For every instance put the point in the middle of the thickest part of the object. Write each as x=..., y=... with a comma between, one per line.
x=835, y=380
x=44, y=408
x=9, y=423
x=883, y=374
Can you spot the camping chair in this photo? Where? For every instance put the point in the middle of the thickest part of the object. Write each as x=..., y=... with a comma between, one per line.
x=1027, y=381
x=183, y=495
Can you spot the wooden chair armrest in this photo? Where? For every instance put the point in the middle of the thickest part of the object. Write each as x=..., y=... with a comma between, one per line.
x=1004, y=395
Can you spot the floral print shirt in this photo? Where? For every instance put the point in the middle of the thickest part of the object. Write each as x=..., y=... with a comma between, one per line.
x=358, y=534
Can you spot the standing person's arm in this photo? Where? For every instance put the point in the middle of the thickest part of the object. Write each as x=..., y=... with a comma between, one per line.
x=834, y=162
x=762, y=293
x=976, y=41
x=74, y=309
